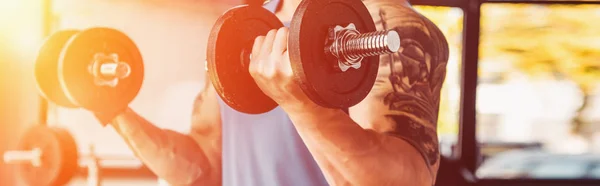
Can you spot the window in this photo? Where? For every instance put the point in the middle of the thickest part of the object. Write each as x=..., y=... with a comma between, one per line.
x=539, y=71
x=169, y=36
x=560, y=169
x=450, y=21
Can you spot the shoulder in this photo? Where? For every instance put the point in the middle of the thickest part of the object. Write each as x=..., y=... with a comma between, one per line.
x=206, y=113
x=413, y=27
x=404, y=101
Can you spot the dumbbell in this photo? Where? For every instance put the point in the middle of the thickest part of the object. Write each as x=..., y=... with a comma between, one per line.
x=99, y=69
x=333, y=46
x=45, y=156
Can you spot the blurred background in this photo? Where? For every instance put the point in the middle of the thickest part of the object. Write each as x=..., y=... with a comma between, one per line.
x=538, y=113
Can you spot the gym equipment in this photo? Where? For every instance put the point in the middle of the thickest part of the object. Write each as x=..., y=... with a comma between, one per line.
x=230, y=45
x=45, y=156
x=46, y=68
x=334, y=49
x=99, y=69
x=344, y=74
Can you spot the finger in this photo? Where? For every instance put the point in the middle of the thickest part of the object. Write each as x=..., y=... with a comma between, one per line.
x=286, y=64
x=267, y=45
x=257, y=46
x=267, y=67
x=255, y=58
x=280, y=42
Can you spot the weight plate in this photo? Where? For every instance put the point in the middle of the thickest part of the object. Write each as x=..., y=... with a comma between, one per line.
x=46, y=68
x=59, y=160
x=315, y=72
x=229, y=46
x=71, y=153
x=79, y=84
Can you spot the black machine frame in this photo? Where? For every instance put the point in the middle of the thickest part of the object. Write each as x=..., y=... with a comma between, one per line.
x=468, y=155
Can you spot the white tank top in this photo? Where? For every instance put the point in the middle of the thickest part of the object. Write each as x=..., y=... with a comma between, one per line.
x=265, y=149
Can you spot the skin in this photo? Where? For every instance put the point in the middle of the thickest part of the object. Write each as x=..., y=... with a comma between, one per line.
x=179, y=159
x=371, y=145
x=387, y=139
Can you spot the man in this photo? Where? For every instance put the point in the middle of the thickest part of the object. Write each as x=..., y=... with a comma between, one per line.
x=387, y=139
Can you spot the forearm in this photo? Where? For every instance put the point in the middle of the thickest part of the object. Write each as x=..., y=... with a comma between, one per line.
x=175, y=157
x=357, y=156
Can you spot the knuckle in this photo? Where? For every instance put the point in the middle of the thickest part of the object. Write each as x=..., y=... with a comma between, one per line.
x=282, y=30
x=271, y=72
x=288, y=73
x=259, y=39
x=255, y=66
x=253, y=71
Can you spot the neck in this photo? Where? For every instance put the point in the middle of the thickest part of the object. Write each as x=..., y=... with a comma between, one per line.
x=288, y=7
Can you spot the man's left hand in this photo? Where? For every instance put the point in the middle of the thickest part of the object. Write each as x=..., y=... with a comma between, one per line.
x=271, y=69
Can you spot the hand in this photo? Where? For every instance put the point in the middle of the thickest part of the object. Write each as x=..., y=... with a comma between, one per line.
x=271, y=69
x=107, y=118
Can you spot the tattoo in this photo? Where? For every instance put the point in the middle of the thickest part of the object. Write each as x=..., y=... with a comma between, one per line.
x=414, y=76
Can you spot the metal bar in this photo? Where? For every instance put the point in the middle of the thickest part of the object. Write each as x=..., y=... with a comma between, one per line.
x=467, y=142
x=47, y=28
x=46, y=31
x=43, y=111
x=47, y=20
x=32, y=157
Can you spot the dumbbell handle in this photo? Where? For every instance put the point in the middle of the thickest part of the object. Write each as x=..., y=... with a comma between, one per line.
x=367, y=44
x=350, y=47
x=107, y=70
x=109, y=67
x=118, y=70
x=33, y=156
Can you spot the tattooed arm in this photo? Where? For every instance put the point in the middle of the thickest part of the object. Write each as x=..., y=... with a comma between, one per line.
x=180, y=159
x=404, y=101
x=391, y=138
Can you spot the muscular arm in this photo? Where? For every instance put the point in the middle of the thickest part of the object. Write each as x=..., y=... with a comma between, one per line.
x=391, y=138
x=180, y=159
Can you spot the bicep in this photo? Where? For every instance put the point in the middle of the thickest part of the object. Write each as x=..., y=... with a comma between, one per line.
x=398, y=114
x=400, y=117
x=404, y=101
